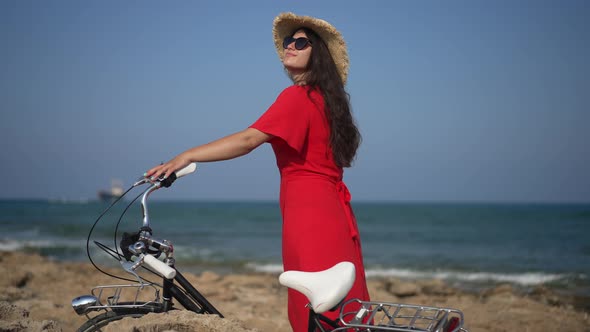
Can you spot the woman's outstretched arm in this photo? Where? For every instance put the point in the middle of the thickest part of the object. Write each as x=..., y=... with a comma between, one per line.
x=229, y=147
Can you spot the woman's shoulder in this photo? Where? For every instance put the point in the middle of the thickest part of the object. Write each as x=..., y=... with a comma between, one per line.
x=294, y=90
x=300, y=92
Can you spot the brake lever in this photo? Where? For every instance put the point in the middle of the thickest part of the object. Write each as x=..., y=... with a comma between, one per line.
x=161, y=181
x=130, y=267
x=140, y=181
x=135, y=249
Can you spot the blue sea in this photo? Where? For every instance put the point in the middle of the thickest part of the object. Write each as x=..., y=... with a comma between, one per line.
x=471, y=246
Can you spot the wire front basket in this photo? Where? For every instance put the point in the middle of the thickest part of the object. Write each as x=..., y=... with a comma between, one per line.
x=133, y=295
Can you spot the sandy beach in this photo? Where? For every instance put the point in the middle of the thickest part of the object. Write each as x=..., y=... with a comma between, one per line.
x=35, y=295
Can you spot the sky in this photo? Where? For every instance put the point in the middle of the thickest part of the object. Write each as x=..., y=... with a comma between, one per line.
x=457, y=101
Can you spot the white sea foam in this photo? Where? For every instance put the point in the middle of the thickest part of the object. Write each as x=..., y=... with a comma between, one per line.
x=187, y=252
x=524, y=279
x=15, y=245
x=267, y=268
x=10, y=245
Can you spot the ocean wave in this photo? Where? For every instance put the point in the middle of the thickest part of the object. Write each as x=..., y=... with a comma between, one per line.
x=63, y=248
x=267, y=268
x=15, y=245
x=21, y=244
x=523, y=279
x=189, y=253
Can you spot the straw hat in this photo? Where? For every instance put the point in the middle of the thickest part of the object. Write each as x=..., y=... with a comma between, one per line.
x=286, y=23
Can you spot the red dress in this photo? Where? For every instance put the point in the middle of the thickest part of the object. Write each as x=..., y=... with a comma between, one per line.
x=319, y=227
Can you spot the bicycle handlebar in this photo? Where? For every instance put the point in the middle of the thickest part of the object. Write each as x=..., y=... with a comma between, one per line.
x=157, y=184
x=141, y=247
x=162, y=268
x=167, y=182
x=186, y=171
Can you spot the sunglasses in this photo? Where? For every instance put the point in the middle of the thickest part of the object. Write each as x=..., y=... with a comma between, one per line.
x=300, y=43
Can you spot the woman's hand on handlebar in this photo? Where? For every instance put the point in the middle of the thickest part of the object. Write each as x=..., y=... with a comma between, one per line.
x=166, y=169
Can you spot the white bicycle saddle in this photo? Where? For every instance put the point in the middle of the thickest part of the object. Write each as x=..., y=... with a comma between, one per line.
x=324, y=289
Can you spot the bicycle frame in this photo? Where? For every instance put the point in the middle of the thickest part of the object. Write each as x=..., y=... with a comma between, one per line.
x=315, y=322
x=195, y=301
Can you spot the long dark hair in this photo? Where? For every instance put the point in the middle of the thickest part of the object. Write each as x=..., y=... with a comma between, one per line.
x=322, y=73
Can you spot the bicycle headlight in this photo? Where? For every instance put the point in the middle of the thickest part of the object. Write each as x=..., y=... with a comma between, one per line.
x=82, y=303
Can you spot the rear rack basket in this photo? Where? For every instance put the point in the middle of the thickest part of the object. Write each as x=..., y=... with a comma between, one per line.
x=382, y=316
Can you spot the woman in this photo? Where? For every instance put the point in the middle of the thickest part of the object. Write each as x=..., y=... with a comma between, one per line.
x=313, y=135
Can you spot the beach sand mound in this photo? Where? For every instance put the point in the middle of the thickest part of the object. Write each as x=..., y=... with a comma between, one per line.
x=16, y=319
x=178, y=321
x=35, y=295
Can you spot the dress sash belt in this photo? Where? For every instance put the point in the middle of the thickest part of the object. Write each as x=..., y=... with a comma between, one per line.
x=345, y=197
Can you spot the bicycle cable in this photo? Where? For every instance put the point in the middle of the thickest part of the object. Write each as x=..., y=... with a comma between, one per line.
x=114, y=253
x=117, y=247
x=119, y=222
x=92, y=229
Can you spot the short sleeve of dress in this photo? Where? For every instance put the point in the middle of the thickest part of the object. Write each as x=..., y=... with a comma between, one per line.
x=287, y=118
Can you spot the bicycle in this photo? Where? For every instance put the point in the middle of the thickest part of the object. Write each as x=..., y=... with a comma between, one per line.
x=325, y=290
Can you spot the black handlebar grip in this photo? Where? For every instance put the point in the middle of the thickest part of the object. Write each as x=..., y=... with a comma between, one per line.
x=167, y=182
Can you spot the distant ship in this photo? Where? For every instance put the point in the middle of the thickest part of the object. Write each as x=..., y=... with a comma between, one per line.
x=115, y=192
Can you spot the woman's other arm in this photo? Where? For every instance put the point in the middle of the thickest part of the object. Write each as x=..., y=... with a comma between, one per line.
x=229, y=147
